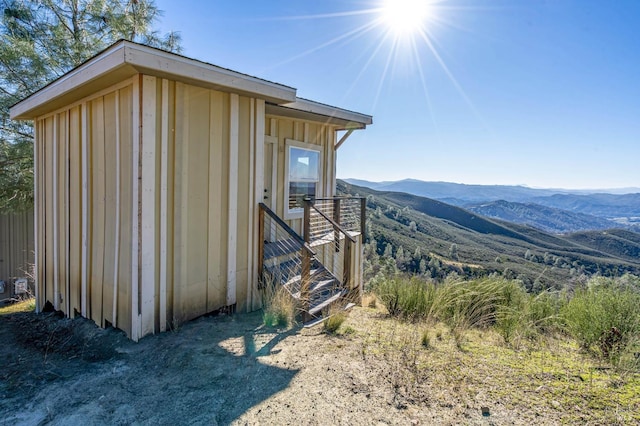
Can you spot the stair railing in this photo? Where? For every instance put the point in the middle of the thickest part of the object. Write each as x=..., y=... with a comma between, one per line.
x=322, y=229
x=288, y=252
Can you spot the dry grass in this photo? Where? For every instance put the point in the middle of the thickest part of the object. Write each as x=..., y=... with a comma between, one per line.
x=545, y=381
x=279, y=308
x=28, y=305
x=334, y=319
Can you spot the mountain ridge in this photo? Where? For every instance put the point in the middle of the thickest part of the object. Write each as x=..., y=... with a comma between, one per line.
x=582, y=210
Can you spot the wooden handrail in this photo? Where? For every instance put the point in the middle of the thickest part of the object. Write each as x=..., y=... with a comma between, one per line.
x=336, y=227
x=287, y=228
x=340, y=198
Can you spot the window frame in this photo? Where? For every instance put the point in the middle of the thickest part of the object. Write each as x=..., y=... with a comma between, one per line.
x=297, y=213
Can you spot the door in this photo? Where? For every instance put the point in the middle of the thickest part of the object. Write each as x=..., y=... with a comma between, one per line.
x=270, y=172
x=270, y=195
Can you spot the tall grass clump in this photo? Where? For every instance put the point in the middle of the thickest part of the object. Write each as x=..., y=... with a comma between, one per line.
x=461, y=304
x=528, y=316
x=278, y=306
x=604, y=317
x=480, y=302
x=407, y=298
x=334, y=319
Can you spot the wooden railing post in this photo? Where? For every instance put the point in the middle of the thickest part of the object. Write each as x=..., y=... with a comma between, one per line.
x=363, y=216
x=305, y=274
x=347, y=264
x=260, y=245
x=336, y=219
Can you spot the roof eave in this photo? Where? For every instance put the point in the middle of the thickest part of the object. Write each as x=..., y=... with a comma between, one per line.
x=125, y=59
x=315, y=111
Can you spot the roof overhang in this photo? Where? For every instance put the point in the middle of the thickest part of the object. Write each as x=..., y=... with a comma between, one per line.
x=125, y=59
x=314, y=111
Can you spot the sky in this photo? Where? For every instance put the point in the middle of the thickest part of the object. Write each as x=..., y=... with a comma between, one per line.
x=542, y=93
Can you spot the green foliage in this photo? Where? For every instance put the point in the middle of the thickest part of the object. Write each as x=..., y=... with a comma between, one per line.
x=278, y=307
x=604, y=316
x=406, y=298
x=42, y=40
x=539, y=260
x=488, y=302
x=334, y=321
x=16, y=175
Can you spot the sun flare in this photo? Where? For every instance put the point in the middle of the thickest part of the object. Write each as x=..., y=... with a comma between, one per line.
x=405, y=17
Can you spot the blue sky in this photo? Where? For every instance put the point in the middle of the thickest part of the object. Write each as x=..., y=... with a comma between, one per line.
x=533, y=92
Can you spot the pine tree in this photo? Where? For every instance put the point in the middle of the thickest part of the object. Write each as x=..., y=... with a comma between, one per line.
x=39, y=41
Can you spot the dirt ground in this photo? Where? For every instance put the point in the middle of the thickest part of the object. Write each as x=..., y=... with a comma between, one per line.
x=230, y=370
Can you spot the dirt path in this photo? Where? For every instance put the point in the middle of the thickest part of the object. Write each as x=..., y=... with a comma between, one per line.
x=227, y=370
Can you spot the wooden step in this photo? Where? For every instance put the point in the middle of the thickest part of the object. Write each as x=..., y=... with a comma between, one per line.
x=281, y=248
x=318, y=319
x=327, y=302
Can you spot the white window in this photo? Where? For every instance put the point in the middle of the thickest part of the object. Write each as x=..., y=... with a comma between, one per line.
x=303, y=175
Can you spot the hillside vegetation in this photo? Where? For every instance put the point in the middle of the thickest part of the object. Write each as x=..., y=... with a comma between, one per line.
x=548, y=219
x=421, y=236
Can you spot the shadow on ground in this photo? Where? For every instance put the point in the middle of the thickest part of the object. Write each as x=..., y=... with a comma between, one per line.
x=63, y=371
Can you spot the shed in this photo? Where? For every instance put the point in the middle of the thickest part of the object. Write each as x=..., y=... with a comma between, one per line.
x=167, y=188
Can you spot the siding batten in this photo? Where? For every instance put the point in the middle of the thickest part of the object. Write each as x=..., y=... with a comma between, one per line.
x=148, y=210
x=36, y=212
x=258, y=194
x=232, y=242
x=116, y=263
x=135, y=212
x=251, y=203
x=215, y=289
x=66, y=222
x=56, y=194
x=164, y=184
x=84, y=141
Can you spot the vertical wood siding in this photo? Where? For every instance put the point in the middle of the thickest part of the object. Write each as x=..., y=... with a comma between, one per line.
x=83, y=205
x=314, y=133
x=17, y=248
x=146, y=201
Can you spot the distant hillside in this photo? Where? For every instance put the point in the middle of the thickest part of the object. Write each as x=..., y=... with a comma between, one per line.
x=624, y=209
x=548, y=219
x=603, y=205
x=622, y=244
x=437, y=238
x=456, y=193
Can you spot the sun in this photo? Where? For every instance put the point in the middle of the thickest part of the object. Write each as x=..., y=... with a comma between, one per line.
x=405, y=17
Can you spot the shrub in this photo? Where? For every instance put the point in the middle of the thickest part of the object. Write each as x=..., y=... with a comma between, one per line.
x=604, y=316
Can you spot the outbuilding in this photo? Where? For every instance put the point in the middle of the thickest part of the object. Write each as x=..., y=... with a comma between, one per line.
x=167, y=188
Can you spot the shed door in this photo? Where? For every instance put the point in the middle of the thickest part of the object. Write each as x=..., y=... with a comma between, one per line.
x=270, y=172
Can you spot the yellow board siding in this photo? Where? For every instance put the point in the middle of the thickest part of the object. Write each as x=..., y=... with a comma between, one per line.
x=16, y=248
x=309, y=132
x=146, y=200
x=59, y=163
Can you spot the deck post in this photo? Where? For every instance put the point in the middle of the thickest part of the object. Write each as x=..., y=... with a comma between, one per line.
x=347, y=264
x=336, y=219
x=260, y=245
x=363, y=215
x=305, y=274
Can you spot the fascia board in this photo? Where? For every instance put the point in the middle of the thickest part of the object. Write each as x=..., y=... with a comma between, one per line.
x=125, y=59
x=329, y=111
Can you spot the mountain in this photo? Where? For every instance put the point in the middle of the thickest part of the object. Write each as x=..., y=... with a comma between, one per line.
x=438, y=238
x=548, y=219
x=457, y=193
x=599, y=204
x=623, y=209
